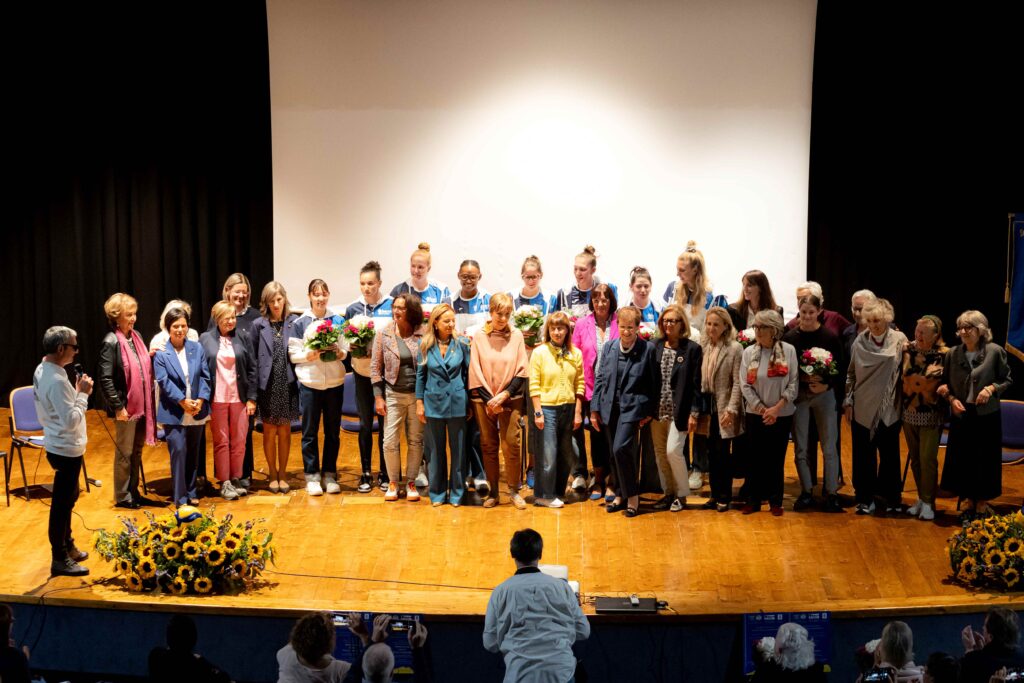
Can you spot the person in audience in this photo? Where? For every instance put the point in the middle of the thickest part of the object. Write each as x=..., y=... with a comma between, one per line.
x=277, y=395
x=233, y=387
x=377, y=662
x=923, y=410
x=178, y=661
x=895, y=651
x=308, y=658
x=975, y=374
x=721, y=360
x=429, y=292
x=625, y=399
x=376, y=306
x=183, y=375
x=992, y=649
x=126, y=385
x=769, y=386
x=589, y=335
x=442, y=403
x=575, y=299
x=755, y=296
x=792, y=659
x=533, y=619
x=640, y=296
x=833, y=321
x=873, y=408
x=678, y=363
x=556, y=394
x=393, y=373
x=13, y=661
x=321, y=377
x=497, y=384
x=941, y=668
x=816, y=401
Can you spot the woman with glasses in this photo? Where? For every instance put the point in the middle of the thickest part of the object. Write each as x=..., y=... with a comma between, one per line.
x=974, y=376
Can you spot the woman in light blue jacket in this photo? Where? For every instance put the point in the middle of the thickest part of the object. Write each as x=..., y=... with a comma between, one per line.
x=442, y=403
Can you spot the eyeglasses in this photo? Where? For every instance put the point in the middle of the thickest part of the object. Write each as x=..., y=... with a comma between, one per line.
x=469, y=278
x=964, y=329
x=74, y=346
x=531, y=277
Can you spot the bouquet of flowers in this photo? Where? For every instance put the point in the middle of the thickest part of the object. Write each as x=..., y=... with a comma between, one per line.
x=989, y=552
x=324, y=336
x=529, y=320
x=817, y=362
x=746, y=337
x=647, y=331
x=187, y=552
x=359, y=333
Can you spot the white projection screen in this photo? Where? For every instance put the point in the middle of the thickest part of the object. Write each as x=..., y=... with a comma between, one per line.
x=498, y=129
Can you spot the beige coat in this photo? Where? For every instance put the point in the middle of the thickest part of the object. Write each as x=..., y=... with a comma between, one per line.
x=725, y=385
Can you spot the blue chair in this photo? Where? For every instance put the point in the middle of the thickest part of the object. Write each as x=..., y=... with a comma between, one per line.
x=350, y=411
x=25, y=433
x=1013, y=431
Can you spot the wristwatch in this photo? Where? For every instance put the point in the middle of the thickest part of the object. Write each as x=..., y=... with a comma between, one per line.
x=538, y=413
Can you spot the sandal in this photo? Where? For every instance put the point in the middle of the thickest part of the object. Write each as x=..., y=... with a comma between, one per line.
x=632, y=512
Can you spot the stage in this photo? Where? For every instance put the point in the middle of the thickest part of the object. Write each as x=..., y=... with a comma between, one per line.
x=354, y=551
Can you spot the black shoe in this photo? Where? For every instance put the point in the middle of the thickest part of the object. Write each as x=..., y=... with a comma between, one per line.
x=364, y=483
x=382, y=481
x=67, y=567
x=149, y=502
x=663, y=503
x=632, y=512
x=722, y=507
x=75, y=554
x=709, y=504
x=832, y=504
x=615, y=507
x=804, y=502
x=127, y=504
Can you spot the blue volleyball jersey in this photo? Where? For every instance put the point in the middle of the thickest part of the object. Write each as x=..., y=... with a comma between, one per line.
x=380, y=311
x=651, y=312
x=471, y=312
x=435, y=293
x=546, y=303
x=709, y=298
x=578, y=300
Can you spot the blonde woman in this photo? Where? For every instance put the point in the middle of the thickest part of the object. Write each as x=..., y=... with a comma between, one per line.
x=723, y=401
x=430, y=292
x=693, y=289
x=237, y=291
x=575, y=299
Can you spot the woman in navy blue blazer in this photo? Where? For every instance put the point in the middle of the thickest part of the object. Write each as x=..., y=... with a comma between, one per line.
x=443, y=404
x=184, y=378
x=277, y=391
x=625, y=398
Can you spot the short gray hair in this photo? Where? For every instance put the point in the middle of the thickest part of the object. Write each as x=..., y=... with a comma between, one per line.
x=773, y=320
x=978, y=319
x=863, y=294
x=813, y=287
x=57, y=336
x=378, y=663
x=795, y=651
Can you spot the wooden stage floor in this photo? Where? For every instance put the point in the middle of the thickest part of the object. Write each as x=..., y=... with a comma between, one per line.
x=354, y=551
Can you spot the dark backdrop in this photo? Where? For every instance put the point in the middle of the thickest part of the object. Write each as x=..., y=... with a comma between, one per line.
x=140, y=162
x=916, y=157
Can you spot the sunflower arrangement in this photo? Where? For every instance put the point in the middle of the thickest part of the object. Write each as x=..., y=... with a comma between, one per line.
x=187, y=552
x=989, y=552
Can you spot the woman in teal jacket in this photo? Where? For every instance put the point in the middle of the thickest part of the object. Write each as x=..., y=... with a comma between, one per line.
x=442, y=403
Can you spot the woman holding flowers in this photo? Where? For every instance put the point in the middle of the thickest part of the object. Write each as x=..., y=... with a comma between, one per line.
x=678, y=361
x=277, y=395
x=441, y=403
x=497, y=385
x=769, y=386
x=317, y=354
x=818, y=353
x=556, y=395
x=975, y=374
x=393, y=373
x=873, y=408
x=923, y=410
x=370, y=312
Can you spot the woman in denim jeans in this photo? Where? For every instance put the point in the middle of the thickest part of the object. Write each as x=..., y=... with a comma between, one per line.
x=556, y=393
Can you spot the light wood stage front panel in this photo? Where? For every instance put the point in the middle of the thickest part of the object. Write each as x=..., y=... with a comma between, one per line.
x=354, y=551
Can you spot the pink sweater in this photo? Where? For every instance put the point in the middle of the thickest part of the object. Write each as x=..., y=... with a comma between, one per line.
x=496, y=359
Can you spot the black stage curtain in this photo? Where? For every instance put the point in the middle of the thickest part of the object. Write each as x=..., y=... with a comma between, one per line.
x=916, y=157
x=141, y=162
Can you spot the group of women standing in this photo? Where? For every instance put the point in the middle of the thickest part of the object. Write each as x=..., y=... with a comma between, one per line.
x=456, y=380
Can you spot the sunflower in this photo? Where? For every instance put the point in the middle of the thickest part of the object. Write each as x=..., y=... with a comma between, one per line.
x=185, y=572
x=124, y=565
x=191, y=550
x=1013, y=546
x=134, y=582
x=146, y=551
x=179, y=586
x=172, y=551
x=983, y=538
x=240, y=566
x=995, y=558
x=231, y=544
x=203, y=585
x=1011, y=577
x=135, y=543
x=147, y=568
x=156, y=536
x=236, y=534
x=215, y=556
x=206, y=538
x=179, y=533
x=1018, y=517
x=968, y=569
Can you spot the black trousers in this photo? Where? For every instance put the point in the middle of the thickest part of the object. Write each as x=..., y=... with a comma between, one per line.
x=65, y=494
x=719, y=463
x=876, y=463
x=623, y=446
x=365, y=408
x=767, y=444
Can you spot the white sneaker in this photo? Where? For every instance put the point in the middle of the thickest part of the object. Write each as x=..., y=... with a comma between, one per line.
x=915, y=509
x=411, y=494
x=392, y=492
x=865, y=509
x=556, y=503
x=421, y=480
x=239, y=488
x=331, y=484
x=927, y=512
x=696, y=480
x=579, y=484
x=313, y=485
x=227, y=491
x=482, y=487
x=548, y=502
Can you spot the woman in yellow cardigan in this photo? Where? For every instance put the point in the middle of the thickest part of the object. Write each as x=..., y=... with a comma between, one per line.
x=556, y=391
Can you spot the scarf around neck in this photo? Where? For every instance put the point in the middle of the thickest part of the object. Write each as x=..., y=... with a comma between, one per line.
x=139, y=401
